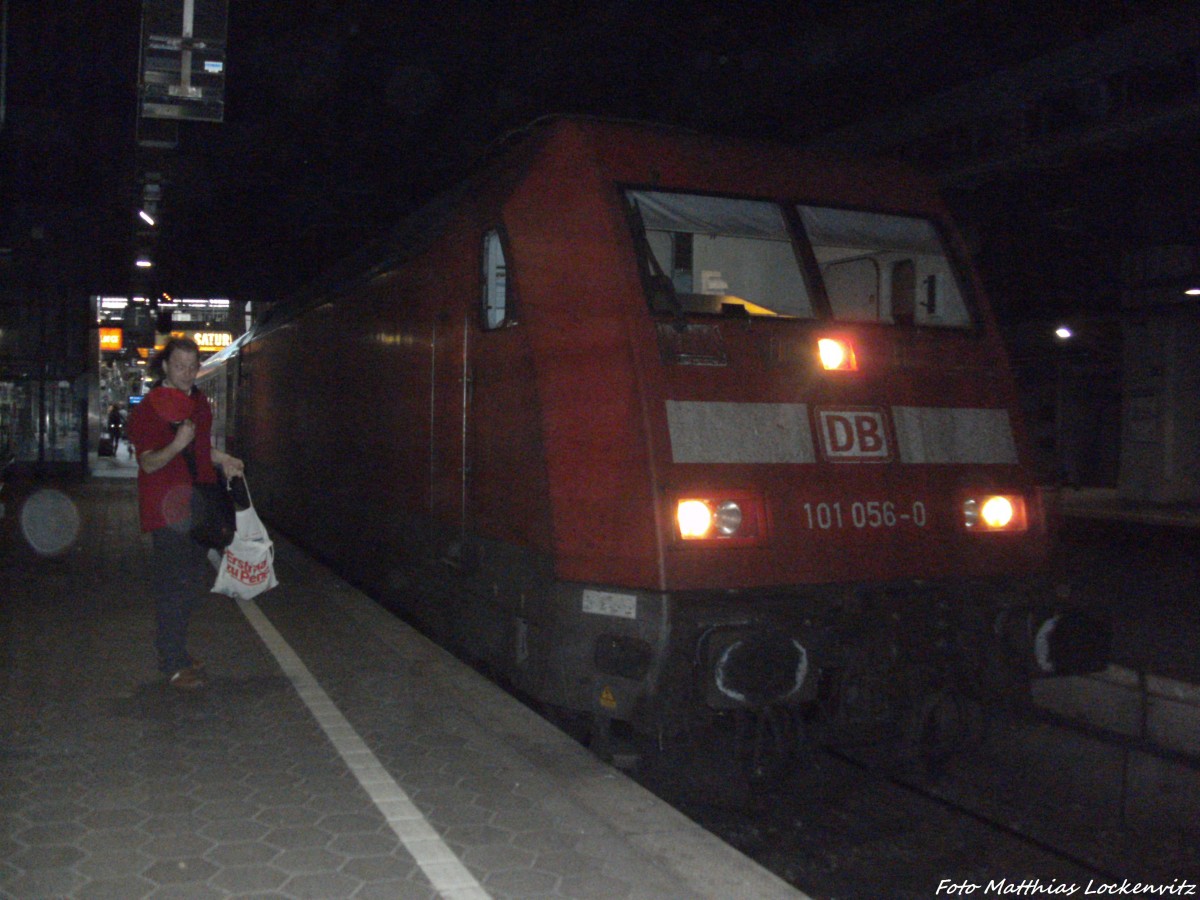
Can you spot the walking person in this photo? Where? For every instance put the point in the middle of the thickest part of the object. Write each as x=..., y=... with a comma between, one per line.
x=172, y=422
x=115, y=422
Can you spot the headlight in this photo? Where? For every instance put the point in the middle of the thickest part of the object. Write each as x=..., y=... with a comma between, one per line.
x=995, y=512
x=718, y=518
x=695, y=519
x=837, y=355
x=728, y=518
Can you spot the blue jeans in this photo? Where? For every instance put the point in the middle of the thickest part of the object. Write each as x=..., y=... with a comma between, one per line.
x=179, y=580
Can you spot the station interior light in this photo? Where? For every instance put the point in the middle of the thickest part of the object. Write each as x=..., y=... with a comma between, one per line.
x=143, y=263
x=146, y=217
x=1063, y=332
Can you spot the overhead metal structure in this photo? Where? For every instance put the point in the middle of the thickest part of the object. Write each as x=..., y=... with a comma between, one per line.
x=3, y=60
x=183, y=60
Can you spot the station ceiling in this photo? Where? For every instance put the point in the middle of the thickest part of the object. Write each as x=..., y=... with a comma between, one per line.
x=1064, y=133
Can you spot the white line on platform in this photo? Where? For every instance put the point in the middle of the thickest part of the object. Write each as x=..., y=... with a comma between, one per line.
x=450, y=878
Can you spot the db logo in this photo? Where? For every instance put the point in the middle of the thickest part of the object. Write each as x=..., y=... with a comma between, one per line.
x=853, y=434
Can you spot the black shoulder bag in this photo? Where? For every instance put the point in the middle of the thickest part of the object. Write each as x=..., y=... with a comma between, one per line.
x=213, y=518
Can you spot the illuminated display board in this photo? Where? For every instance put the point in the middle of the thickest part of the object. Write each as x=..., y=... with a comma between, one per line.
x=112, y=339
x=207, y=341
x=211, y=341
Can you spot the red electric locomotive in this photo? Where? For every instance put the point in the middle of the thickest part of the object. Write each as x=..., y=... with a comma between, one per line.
x=659, y=425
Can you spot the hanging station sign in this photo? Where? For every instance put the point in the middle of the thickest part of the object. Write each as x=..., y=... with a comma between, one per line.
x=183, y=60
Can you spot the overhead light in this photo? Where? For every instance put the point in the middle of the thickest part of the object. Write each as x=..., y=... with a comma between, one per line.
x=143, y=263
x=1193, y=292
x=1063, y=332
x=146, y=217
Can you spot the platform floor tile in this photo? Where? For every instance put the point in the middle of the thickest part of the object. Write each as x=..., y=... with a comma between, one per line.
x=367, y=763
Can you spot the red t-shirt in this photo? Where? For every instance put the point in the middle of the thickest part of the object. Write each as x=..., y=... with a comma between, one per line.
x=164, y=497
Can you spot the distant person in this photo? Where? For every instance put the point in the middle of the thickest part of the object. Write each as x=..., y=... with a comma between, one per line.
x=173, y=421
x=115, y=422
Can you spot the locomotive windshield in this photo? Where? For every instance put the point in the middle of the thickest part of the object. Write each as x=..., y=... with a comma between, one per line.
x=718, y=255
x=883, y=268
x=729, y=256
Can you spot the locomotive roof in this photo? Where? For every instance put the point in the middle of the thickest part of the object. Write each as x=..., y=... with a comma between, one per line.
x=508, y=158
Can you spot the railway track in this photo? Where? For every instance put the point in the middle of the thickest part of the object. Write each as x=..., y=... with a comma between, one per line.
x=1034, y=810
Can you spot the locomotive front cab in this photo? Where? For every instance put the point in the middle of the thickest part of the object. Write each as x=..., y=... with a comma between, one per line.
x=840, y=438
x=826, y=376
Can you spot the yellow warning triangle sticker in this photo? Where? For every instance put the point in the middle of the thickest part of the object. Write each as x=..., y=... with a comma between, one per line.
x=607, y=700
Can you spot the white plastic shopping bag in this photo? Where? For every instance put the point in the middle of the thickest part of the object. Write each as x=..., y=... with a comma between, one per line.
x=248, y=566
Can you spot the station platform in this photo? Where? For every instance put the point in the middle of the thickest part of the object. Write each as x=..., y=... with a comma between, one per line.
x=336, y=752
x=1106, y=504
x=1138, y=566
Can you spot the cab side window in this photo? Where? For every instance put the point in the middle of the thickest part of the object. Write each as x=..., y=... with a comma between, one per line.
x=497, y=300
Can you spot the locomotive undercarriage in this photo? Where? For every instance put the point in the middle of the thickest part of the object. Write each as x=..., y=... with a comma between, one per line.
x=912, y=662
x=917, y=666
x=788, y=671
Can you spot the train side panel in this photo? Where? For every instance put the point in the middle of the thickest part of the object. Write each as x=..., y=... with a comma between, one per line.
x=334, y=425
x=573, y=278
x=354, y=418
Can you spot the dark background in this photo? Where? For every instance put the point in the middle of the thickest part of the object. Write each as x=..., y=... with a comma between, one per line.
x=1064, y=134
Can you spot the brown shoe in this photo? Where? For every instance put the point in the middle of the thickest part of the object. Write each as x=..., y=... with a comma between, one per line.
x=189, y=679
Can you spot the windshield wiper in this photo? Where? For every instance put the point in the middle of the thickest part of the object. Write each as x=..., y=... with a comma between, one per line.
x=661, y=287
